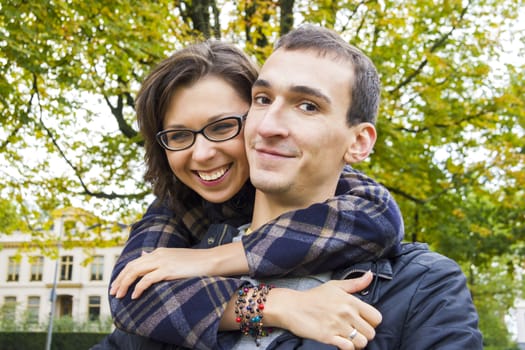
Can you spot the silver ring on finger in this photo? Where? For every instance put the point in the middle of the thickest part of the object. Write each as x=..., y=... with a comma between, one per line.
x=352, y=334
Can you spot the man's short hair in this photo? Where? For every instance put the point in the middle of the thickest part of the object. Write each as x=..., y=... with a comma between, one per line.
x=365, y=87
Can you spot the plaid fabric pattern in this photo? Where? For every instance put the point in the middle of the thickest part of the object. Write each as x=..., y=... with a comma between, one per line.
x=362, y=223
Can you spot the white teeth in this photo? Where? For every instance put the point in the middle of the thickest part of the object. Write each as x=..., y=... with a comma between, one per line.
x=210, y=176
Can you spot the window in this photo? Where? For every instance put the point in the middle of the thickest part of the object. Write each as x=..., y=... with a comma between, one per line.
x=13, y=269
x=9, y=309
x=66, y=268
x=33, y=308
x=37, y=267
x=97, y=268
x=94, y=308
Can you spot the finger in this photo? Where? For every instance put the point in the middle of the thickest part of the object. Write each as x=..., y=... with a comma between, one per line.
x=355, y=285
x=120, y=285
x=364, y=328
x=359, y=340
x=366, y=319
x=342, y=343
x=116, y=284
x=146, y=281
x=125, y=284
x=369, y=314
x=129, y=275
x=123, y=273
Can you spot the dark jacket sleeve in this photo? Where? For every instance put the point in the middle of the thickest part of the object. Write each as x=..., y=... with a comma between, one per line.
x=182, y=312
x=362, y=222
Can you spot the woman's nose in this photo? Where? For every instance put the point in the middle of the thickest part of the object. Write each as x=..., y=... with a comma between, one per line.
x=203, y=149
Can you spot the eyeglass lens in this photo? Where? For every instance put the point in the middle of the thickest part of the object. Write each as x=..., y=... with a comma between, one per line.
x=221, y=130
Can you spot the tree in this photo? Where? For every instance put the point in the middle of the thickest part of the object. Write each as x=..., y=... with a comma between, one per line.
x=451, y=124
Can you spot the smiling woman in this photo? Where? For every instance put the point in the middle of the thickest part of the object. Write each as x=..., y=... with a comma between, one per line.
x=213, y=168
x=187, y=108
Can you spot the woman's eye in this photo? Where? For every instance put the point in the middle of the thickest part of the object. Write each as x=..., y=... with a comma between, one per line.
x=178, y=136
x=223, y=127
x=308, y=107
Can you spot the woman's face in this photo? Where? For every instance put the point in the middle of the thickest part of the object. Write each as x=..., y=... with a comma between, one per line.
x=215, y=170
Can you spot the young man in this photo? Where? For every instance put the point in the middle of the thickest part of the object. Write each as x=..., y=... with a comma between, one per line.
x=309, y=118
x=313, y=109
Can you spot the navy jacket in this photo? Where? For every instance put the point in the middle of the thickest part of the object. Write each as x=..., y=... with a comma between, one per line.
x=423, y=298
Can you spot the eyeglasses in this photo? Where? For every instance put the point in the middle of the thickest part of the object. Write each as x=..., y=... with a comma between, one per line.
x=220, y=130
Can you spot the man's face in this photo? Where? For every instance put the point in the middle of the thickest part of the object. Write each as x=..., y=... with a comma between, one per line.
x=296, y=133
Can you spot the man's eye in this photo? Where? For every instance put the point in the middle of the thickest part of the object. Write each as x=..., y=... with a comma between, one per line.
x=262, y=100
x=308, y=107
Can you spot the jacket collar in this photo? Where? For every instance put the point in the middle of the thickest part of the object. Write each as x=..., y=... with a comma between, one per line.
x=383, y=271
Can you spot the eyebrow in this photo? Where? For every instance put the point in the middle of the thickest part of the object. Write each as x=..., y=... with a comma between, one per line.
x=302, y=89
x=210, y=120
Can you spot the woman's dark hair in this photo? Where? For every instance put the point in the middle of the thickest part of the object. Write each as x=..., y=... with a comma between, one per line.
x=183, y=69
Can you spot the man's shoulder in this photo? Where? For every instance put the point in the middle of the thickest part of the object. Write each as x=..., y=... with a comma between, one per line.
x=412, y=262
x=420, y=254
x=418, y=266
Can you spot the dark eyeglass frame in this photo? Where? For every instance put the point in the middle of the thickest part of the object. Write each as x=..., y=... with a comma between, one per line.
x=162, y=134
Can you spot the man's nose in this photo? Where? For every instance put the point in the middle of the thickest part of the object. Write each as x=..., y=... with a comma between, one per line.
x=274, y=122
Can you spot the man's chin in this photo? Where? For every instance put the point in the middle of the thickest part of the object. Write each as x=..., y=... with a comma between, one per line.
x=269, y=185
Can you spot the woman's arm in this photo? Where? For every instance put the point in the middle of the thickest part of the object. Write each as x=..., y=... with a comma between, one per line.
x=191, y=312
x=173, y=311
x=183, y=312
x=321, y=250
x=307, y=315
x=361, y=223
x=187, y=312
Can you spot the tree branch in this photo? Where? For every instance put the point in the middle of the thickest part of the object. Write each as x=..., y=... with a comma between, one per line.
x=21, y=120
x=407, y=195
x=439, y=125
x=286, y=20
x=437, y=44
x=118, y=113
x=86, y=191
x=216, y=20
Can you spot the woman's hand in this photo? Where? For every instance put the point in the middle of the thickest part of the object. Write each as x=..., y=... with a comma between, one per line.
x=162, y=264
x=166, y=264
x=327, y=313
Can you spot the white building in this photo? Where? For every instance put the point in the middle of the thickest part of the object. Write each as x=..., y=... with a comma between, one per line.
x=520, y=322
x=82, y=278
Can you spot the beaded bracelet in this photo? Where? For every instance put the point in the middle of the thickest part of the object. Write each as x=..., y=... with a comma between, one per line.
x=249, y=311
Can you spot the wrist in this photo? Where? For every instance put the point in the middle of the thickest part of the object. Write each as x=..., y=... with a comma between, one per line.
x=279, y=303
x=228, y=260
x=249, y=311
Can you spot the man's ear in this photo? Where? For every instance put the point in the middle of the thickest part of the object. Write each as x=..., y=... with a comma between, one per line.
x=362, y=142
